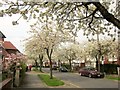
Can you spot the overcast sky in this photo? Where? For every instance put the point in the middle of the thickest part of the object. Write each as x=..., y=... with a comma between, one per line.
x=16, y=34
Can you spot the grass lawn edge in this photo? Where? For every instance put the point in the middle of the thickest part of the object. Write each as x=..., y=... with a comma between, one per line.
x=50, y=82
x=110, y=77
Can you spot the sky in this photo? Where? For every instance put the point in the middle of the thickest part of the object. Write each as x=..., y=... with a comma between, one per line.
x=17, y=33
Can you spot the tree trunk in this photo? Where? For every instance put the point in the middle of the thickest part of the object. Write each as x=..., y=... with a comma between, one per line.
x=59, y=63
x=96, y=62
x=70, y=65
x=49, y=54
x=35, y=63
x=51, y=76
x=41, y=58
x=99, y=56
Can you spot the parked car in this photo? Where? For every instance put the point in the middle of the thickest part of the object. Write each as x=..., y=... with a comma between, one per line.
x=54, y=68
x=63, y=69
x=90, y=72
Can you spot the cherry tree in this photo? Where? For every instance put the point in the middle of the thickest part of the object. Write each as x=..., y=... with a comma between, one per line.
x=49, y=36
x=34, y=49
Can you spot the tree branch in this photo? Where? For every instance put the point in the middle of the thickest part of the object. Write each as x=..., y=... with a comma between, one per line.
x=93, y=14
x=109, y=17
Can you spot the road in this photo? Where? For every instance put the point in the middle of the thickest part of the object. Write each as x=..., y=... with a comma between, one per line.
x=84, y=82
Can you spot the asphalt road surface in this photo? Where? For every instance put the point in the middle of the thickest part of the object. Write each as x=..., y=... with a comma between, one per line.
x=84, y=82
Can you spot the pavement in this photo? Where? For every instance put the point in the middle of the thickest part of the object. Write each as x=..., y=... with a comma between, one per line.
x=31, y=80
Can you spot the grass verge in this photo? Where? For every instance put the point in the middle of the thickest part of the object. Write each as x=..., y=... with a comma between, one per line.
x=50, y=82
x=112, y=77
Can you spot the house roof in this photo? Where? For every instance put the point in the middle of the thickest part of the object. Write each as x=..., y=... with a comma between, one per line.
x=9, y=45
x=2, y=35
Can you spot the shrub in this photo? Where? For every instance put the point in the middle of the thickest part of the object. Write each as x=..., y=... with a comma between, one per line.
x=23, y=70
x=4, y=75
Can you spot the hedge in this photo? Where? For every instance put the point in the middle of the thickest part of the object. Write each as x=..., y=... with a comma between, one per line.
x=22, y=71
x=109, y=68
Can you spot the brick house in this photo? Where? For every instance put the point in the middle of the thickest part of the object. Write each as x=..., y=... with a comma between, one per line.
x=12, y=52
x=10, y=48
x=8, y=53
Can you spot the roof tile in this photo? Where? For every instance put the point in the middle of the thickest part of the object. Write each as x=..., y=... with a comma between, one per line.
x=9, y=45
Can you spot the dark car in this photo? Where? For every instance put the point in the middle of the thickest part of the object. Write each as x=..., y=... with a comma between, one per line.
x=63, y=69
x=54, y=67
x=90, y=72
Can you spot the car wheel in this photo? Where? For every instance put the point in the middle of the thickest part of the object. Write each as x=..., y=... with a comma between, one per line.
x=90, y=76
x=80, y=74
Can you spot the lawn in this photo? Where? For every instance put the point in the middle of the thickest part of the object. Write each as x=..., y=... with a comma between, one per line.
x=50, y=82
x=113, y=77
